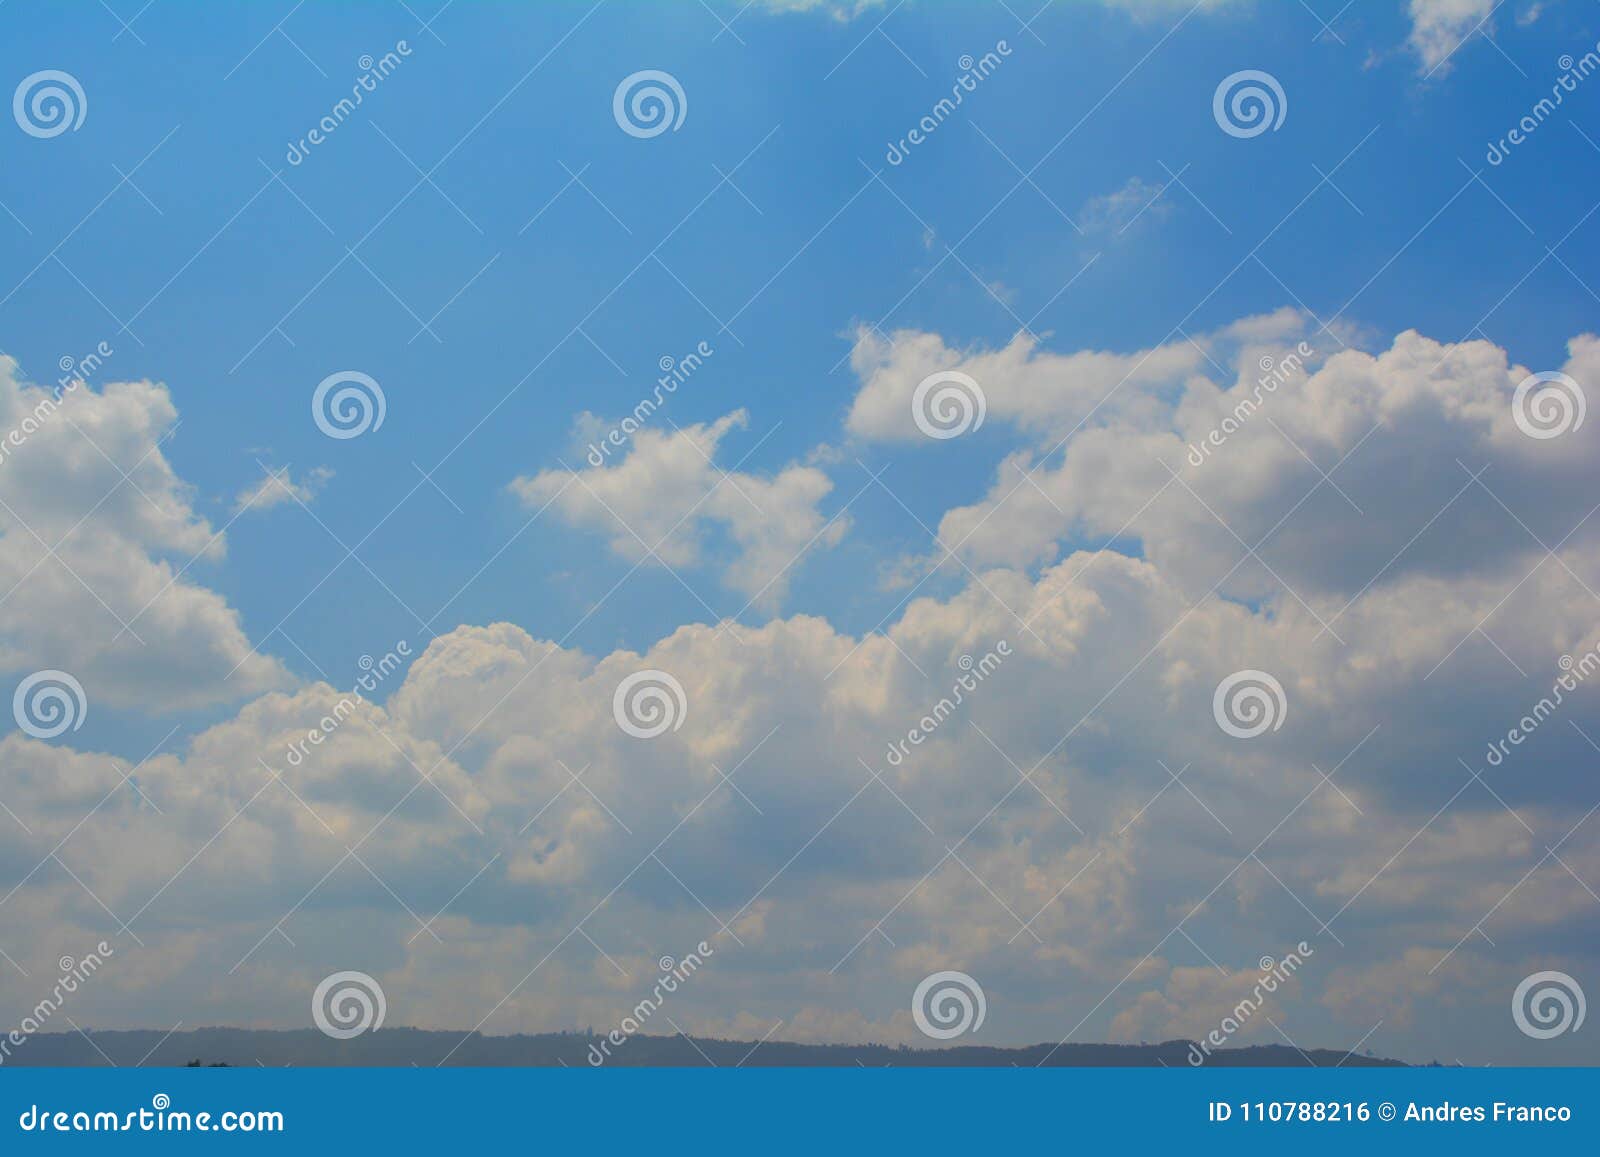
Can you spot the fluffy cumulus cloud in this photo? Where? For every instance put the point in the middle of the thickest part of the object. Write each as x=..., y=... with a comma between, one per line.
x=1439, y=27
x=1038, y=390
x=1267, y=459
x=101, y=549
x=1033, y=838
x=1026, y=776
x=666, y=499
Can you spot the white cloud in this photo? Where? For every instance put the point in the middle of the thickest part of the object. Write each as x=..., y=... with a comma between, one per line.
x=497, y=764
x=280, y=486
x=494, y=802
x=1195, y=1000
x=663, y=499
x=1028, y=387
x=99, y=546
x=1439, y=27
x=1292, y=462
x=1119, y=210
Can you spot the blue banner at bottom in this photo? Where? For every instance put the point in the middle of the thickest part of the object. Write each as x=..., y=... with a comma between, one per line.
x=766, y=1111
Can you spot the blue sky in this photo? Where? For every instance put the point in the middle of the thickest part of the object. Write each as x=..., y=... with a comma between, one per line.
x=482, y=239
x=519, y=328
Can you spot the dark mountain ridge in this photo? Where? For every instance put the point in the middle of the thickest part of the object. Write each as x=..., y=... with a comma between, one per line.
x=390, y=1047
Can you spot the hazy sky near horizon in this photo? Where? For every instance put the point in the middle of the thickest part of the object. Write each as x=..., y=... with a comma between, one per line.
x=1094, y=393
